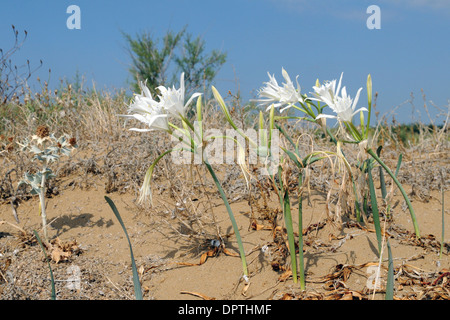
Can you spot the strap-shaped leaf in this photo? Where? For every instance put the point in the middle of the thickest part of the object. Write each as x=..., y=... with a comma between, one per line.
x=136, y=282
x=390, y=279
x=375, y=213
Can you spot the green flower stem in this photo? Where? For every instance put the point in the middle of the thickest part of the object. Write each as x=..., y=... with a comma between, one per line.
x=333, y=138
x=290, y=234
x=42, y=204
x=354, y=131
x=304, y=110
x=230, y=213
x=390, y=278
x=443, y=220
x=375, y=212
x=286, y=205
x=405, y=196
x=300, y=234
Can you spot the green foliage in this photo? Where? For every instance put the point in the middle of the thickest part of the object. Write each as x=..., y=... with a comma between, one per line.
x=150, y=61
x=136, y=281
x=200, y=69
x=390, y=279
x=159, y=63
x=375, y=212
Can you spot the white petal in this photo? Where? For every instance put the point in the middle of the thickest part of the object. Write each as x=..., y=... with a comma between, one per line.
x=325, y=116
x=182, y=84
x=360, y=109
x=356, y=98
x=140, y=130
x=195, y=95
x=339, y=84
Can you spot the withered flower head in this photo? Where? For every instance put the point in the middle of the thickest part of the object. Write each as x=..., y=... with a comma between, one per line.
x=10, y=147
x=42, y=132
x=72, y=142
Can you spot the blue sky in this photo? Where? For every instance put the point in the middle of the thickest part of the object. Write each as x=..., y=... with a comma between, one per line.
x=312, y=39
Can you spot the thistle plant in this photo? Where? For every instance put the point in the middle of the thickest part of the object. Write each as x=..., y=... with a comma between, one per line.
x=166, y=114
x=46, y=149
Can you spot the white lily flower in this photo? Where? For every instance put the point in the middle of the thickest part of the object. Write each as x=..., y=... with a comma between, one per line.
x=172, y=99
x=342, y=104
x=327, y=92
x=280, y=96
x=148, y=111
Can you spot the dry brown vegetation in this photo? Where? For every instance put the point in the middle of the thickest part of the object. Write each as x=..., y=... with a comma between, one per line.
x=172, y=239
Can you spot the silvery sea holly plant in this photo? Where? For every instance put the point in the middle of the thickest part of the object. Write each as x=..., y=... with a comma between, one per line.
x=46, y=149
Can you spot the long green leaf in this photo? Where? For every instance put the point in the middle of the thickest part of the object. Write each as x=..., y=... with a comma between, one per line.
x=286, y=135
x=405, y=196
x=382, y=181
x=290, y=234
x=390, y=279
x=136, y=282
x=399, y=162
x=231, y=216
x=443, y=220
x=293, y=157
x=53, y=296
x=310, y=159
x=289, y=227
x=374, y=205
x=300, y=233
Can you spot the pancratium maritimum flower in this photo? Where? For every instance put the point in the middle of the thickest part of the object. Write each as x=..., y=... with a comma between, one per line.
x=148, y=111
x=155, y=114
x=280, y=95
x=327, y=92
x=173, y=99
x=342, y=104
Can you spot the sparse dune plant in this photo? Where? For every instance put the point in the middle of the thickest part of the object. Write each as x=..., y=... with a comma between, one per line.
x=168, y=113
x=46, y=149
x=343, y=106
x=267, y=150
x=311, y=107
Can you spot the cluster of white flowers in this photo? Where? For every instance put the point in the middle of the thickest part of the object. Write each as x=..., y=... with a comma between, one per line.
x=155, y=114
x=280, y=96
x=287, y=95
